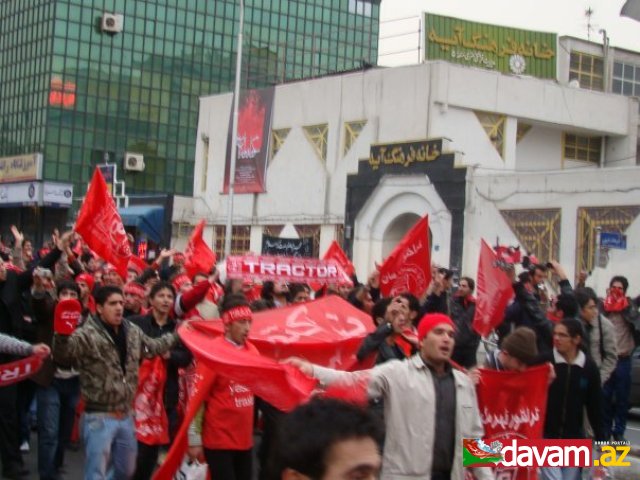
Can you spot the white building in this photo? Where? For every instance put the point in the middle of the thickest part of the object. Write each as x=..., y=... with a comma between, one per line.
x=532, y=162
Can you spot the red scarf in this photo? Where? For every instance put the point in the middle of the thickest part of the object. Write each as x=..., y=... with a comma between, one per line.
x=615, y=301
x=466, y=301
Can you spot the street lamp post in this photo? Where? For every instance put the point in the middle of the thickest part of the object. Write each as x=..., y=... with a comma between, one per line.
x=234, y=136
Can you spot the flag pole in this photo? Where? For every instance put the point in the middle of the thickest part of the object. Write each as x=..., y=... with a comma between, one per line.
x=234, y=137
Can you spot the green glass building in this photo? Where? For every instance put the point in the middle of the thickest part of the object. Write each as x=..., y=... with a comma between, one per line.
x=82, y=81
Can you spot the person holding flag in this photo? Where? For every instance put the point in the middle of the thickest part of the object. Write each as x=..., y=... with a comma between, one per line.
x=156, y=323
x=224, y=432
x=429, y=406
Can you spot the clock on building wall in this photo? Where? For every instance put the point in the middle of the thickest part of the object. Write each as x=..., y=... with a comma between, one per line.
x=517, y=64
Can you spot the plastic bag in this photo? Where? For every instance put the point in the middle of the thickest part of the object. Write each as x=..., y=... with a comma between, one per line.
x=191, y=470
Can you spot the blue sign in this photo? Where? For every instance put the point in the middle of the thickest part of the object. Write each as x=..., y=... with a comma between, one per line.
x=613, y=240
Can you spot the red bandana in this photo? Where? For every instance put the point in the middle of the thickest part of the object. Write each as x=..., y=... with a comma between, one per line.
x=236, y=314
x=615, y=301
x=135, y=289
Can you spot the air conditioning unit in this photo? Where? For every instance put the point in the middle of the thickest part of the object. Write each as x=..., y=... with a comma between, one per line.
x=133, y=162
x=112, y=22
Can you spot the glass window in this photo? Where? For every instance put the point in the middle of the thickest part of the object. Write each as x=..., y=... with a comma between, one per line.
x=578, y=147
x=587, y=69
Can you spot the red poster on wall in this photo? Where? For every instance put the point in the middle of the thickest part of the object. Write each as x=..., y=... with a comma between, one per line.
x=255, y=109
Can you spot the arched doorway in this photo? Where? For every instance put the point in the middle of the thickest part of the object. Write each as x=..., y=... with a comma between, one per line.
x=392, y=209
x=396, y=231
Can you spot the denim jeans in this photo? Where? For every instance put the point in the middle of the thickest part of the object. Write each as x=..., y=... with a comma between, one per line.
x=560, y=473
x=56, y=406
x=110, y=446
x=616, y=393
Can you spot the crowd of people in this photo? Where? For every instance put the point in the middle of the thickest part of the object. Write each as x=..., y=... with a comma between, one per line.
x=95, y=330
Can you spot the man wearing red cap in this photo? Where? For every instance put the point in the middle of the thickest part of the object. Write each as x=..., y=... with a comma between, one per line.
x=429, y=407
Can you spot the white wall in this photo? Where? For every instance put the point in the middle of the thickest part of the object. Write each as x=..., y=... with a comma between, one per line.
x=430, y=100
x=567, y=190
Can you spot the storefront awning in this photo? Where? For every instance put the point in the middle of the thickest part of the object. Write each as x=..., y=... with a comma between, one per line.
x=147, y=218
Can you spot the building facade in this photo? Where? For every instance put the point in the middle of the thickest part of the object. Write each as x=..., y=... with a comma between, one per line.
x=86, y=82
x=361, y=156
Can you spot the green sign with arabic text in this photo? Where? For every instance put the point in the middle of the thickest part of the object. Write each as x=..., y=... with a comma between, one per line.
x=505, y=49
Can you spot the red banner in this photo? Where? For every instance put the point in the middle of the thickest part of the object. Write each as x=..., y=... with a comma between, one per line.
x=513, y=405
x=198, y=256
x=327, y=331
x=494, y=291
x=101, y=227
x=152, y=424
x=14, y=372
x=287, y=269
x=408, y=268
x=254, y=129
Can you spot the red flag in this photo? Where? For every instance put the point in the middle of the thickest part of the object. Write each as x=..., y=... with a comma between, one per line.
x=494, y=291
x=199, y=258
x=19, y=370
x=513, y=405
x=101, y=227
x=151, y=422
x=408, y=268
x=327, y=331
x=334, y=252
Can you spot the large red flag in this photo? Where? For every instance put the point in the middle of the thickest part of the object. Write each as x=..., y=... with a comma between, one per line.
x=199, y=258
x=408, y=268
x=513, y=405
x=494, y=291
x=101, y=227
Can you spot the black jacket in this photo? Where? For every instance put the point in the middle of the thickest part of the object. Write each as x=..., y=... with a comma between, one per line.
x=467, y=339
x=180, y=357
x=575, y=388
x=376, y=342
x=525, y=311
x=11, y=300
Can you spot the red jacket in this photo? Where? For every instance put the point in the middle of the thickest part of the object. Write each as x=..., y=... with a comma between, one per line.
x=228, y=414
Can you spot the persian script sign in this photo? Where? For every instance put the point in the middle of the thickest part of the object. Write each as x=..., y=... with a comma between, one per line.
x=404, y=154
x=20, y=168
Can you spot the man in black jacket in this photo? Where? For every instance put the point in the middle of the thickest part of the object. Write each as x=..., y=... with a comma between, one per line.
x=155, y=324
x=576, y=387
x=463, y=309
x=12, y=285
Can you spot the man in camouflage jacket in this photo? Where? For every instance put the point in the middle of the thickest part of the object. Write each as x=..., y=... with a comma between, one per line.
x=107, y=350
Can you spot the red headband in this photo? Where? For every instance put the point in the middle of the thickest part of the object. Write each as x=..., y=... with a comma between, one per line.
x=180, y=280
x=134, y=288
x=236, y=314
x=86, y=278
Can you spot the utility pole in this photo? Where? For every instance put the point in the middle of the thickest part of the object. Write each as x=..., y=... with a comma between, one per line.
x=234, y=136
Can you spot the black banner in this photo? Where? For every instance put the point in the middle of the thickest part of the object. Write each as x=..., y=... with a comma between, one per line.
x=287, y=247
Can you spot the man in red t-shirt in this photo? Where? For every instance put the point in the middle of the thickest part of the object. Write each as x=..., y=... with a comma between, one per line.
x=227, y=422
